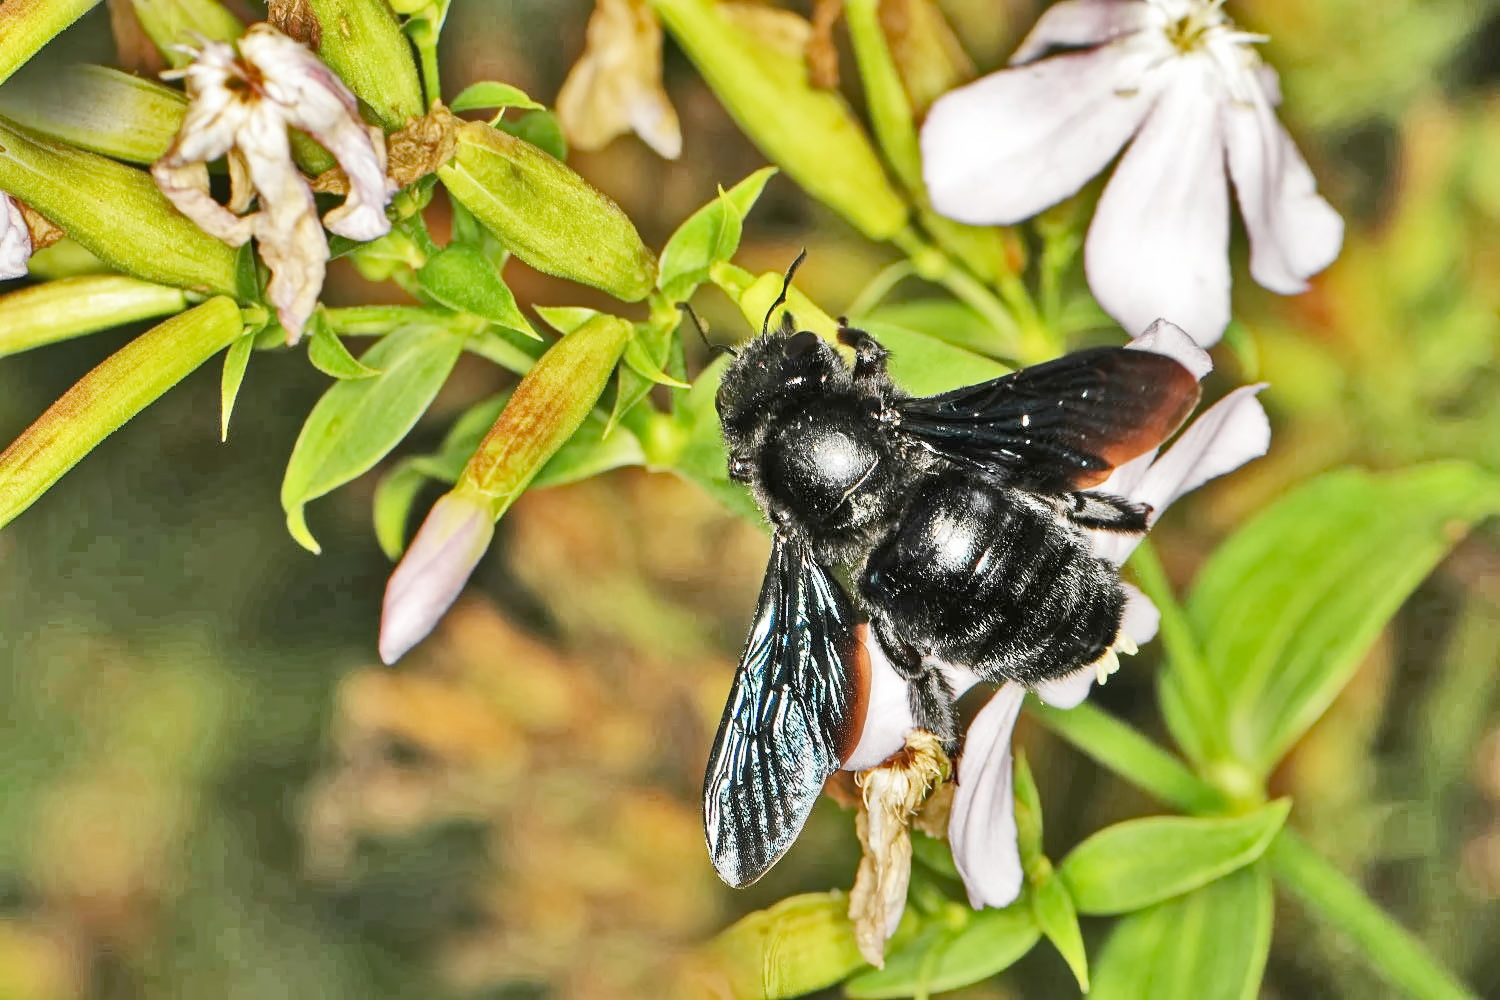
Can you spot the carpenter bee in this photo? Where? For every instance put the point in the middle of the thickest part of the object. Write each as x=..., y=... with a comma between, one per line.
x=958, y=520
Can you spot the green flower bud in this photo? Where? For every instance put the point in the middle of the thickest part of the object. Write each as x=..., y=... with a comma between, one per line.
x=169, y=23
x=27, y=25
x=119, y=388
x=97, y=108
x=114, y=211
x=546, y=408
x=809, y=133
x=363, y=43
x=546, y=214
x=57, y=310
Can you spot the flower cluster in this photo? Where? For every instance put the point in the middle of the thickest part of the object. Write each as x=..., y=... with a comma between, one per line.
x=243, y=103
x=1179, y=83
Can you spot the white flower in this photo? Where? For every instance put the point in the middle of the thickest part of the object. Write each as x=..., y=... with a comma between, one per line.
x=1181, y=79
x=242, y=105
x=15, y=239
x=982, y=824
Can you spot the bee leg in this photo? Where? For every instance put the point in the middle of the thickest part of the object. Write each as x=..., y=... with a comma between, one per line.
x=932, y=701
x=1104, y=512
x=869, y=357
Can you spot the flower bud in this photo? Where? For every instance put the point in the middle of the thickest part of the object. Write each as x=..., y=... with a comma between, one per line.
x=809, y=133
x=117, y=389
x=96, y=108
x=57, y=310
x=542, y=413
x=170, y=23
x=114, y=211
x=448, y=546
x=26, y=27
x=363, y=43
x=546, y=214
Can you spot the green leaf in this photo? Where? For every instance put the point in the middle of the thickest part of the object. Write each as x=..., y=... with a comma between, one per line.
x=947, y=320
x=356, y=423
x=236, y=360
x=648, y=351
x=1028, y=813
x=565, y=319
x=963, y=950
x=923, y=365
x=1208, y=945
x=803, y=943
x=463, y=278
x=709, y=235
x=1286, y=609
x=1056, y=915
x=329, y=355
x=1143, y=861
x=394, y=497
x=541, y=129
x=491, y=94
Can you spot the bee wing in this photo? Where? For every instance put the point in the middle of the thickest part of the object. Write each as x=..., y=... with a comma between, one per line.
x=793, y=716
x=1058, y=426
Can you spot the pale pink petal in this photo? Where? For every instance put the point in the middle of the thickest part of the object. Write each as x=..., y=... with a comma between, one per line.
x=1293, y=232
x=1076, y=24
x=1012, y=143
x=1224, y=437
x=982, y=825
x=1159, y=242
x=15, y=240
x=434, y=570
x=888, y=716
x=1163, y=337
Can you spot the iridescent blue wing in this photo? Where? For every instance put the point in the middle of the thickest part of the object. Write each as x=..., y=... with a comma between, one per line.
x=792, y=718
x=1058, y=426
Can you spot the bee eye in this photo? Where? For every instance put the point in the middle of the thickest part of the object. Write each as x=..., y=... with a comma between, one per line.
x=801, y=343
x=739, y=468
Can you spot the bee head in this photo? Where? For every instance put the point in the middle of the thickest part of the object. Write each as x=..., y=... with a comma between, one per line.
x=771, y=371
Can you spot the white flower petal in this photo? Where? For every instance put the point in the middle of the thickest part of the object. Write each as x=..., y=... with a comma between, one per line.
x=1226, y=436
x=653, y=118
x=1138, y=624
x=15, y=240
x=982, y=825
x=433, y=571
x=1293, y=232
x=1141, y=619
x=888, y=716
x=1006, y=146
x=1075, y=24
x=1159, y=242
x=186, y=187
x=1163, y=337
x=1069, y=690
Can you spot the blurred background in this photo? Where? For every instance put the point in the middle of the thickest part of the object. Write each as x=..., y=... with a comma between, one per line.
x=210, y=788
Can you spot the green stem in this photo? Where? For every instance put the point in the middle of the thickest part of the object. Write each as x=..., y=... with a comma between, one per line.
x=880, y=286
x=370, y=321
x=1390, y=949
x=1121, y=749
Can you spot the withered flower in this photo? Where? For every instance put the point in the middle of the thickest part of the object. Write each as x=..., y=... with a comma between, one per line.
x=243, y=103
x=616, y=87
x=15, y=239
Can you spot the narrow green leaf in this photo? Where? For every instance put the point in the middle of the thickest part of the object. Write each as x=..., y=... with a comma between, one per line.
x=803, y=943
x=1288, y=606
x=541, y=129
x=1056, y=915
x=947, y=320
x=1028, y=813
x=463, y=278
x=394, y=497
x=1143, y=861
x=1208, y=945
x=356, y=423
x=709, y=235
x=236, y=360
x=923, y=365
x=640, y=356
x=565, y=319
x=962, y=951
x=492, y=94
x=329, y=355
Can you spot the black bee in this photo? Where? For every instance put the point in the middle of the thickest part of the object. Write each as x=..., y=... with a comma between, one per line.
x=959, y=520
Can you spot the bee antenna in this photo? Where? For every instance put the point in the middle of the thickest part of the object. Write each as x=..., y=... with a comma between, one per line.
x=786, y=284
x=698, y=325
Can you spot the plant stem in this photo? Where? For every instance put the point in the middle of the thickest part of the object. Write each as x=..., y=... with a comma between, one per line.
x=1389, y=948
x=370, y=321
x=880, y=286
x=1121, y=749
